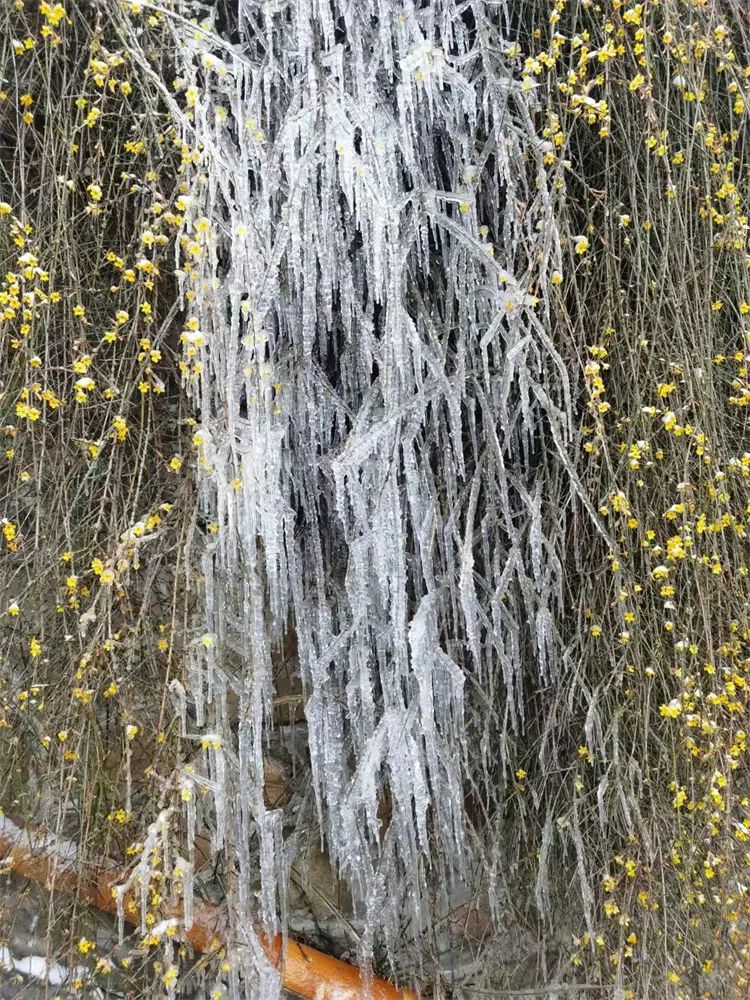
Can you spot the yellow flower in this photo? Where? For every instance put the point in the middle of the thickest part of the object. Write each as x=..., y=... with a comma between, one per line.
x=581, y=245
x=671, y=711
x=54, y=14
x=29, y=412
x=119, y=428
x=35, y=647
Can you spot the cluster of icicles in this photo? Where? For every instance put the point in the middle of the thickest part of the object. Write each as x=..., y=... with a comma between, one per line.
x=383, y=420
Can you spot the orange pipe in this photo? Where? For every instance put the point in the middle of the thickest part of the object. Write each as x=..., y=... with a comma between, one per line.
x=309, y=973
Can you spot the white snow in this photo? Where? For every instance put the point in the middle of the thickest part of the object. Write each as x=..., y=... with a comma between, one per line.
x=38, y=967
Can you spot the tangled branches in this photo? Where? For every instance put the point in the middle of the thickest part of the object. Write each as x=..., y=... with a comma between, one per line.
x=419, y=335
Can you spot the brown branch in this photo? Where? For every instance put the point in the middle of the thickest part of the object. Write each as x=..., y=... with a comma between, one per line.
x=309, y=973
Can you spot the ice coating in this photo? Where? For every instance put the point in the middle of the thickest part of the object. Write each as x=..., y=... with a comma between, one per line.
x=383, y=422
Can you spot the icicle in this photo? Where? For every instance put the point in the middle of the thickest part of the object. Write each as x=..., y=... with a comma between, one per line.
x=119, y=894
x=180, y=698
x=154, y=836
x=216, y=757
x=128, y=778
x=183, y=870
x=187, y=793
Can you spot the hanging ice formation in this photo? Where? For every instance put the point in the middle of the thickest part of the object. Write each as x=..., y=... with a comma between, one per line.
x=383, y=420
